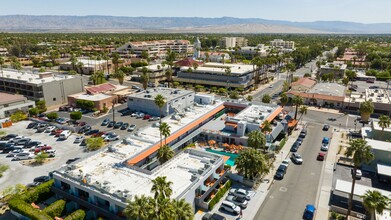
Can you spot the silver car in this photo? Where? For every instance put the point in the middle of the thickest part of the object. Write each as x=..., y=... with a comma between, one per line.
x=242, y=202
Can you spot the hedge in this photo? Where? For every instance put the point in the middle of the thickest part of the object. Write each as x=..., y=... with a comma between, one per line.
x=76, y=215
x=55, y=209
x=219, y=195
x=281, y=145
x=27, y=210
x=38, y=193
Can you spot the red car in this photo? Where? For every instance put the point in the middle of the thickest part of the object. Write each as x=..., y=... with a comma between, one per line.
x=146, y=117
x=99, y=134
x=42, y=148
x=321, y=156
x=56, y=132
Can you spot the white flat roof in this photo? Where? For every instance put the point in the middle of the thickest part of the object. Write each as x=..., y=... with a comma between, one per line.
x=220, y=68
x=255, y=113
x=380, y=145
x=359, y=190
x=32, y=78
x=94, y=98
x=89, y=62
x=168, y=93
x=384, y=169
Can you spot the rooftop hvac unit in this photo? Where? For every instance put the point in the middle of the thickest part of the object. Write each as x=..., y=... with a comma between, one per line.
x=19, y=77
x=8, y=76
x=42, y=80
x=269, y=110
x=30, y=79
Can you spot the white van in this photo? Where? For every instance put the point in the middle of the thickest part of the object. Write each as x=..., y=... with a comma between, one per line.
x=65, y=134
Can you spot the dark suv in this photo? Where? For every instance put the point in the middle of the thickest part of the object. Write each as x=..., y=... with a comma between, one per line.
x=213, y=216
x=280, y=172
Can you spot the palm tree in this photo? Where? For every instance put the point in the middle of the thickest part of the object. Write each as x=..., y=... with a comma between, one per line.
x=182, y=210
x=164, y=129
x=79, y=66
x=168, y=74
x=256, y=140
x=164, y=154
x=361, y=153
x=1, y=65
x=160, y=101
x=120, y=75
x=161, y=188
x=297, y=101
x=144, y=77
x=251, y=163
x=139, y=209
x=283, y=99
x=366, y=109
x=115, y=60
x=374, y=201
x=384, y=122
x=73, y=60
x=164, y=209
x=303, y=111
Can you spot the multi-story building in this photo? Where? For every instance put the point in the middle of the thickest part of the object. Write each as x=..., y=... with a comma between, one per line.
x=3, y=51
x=218, y=57
x=379, y=97
x=10, y=103
x=231, y=42
x=176, y=101
x=157, y=48
x=218, y=74
x=250, y=52
x=338, y=69
x=47, y=86
x=89, y=66
x=283, y=44
x=156, y=73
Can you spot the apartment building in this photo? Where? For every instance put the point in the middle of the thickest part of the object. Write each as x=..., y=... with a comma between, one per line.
x=338, y=69
x=47, y=86
x=231, y=42
x=157, y=48
x=10, y=103
x=3, y=51
x=282, y=44
x=89, y=66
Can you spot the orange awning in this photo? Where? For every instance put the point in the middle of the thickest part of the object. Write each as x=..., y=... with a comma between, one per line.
x=273, y=115
x=231, y=124
x=225, y=158
x=292, y=123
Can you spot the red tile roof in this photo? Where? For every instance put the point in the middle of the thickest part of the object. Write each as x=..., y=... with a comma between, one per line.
x=101, y=88
x=318, y=96
x=187, y=62
x=307, y=82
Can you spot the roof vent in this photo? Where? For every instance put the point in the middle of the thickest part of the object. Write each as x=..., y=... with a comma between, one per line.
x=30, y=79
x=19, y=77
x=42, y=80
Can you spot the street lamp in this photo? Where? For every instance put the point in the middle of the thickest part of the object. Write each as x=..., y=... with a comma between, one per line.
x=355, y=124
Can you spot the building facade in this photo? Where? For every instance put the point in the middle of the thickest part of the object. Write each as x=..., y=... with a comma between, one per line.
x=338, y=69
x=231, y=42
x=10, y=103
x=47, y=86
x=283, y=44
x=89, y=66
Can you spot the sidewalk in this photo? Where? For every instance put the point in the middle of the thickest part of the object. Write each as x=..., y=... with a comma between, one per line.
x=326, y=181
x=335, y=111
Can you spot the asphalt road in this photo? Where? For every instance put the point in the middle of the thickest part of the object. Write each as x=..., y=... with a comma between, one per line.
x=277, y=87
x=287, y=198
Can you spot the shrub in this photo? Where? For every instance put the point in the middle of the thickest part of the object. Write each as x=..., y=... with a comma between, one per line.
x=40, y=158
x=27, y=210
x=94, y=143
x=281, y=145
x=75, y=115
x=3, y=168
x=38, y=193
x=85, y=104
x=41, y=105
x=219, y=195
x=52, y=115
x=76, y=215
x=33, y=111
x=18, y=116
x=55, y=209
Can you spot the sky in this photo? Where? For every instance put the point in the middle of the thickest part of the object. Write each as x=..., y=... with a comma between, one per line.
x=363, y=11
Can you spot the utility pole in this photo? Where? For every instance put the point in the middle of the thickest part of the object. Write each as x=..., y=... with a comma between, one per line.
x=113, y=111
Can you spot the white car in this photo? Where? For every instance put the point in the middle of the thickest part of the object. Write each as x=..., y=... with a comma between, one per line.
x=285, y=162
x=131, y=127
x=50, y=129
x=241, y=193
x=79, y=139
x=296, y=158
x=358, y=173
x=23, y=156
x=324, y=147
x=108, y=134
x=112, y=138
x=271, y=86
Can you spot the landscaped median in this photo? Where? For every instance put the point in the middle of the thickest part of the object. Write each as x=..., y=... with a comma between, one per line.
x=25, y=204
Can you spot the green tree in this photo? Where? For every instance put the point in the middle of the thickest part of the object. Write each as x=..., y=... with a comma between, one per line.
x=141, y=208
x=384, y=122
x=165, y=131
x=144, y=78
x=161, y=188
x=52, y=115
x=234, y=95
x=120, y=75
x=285, y=86
x=366, y=109
x=251, y=163
x=345, y=81
x=160, y=101
x=33, y=111
x=307, y=75
x=115, y=60
x=41, y=105
x=94, y=143
x=40, y=158
x=249, y=98
x=175, y=84
x=257, y=140
x=14, y=190
x=76, y=115
x=164, y=154
x=18, y=116
x=266, y=98
x=266, y=127
x=351, y=75
x=303, y=111
x=198, y=88
x=283, y=99
x=361, y=153
x=374, y=201
x=168, y=74
x=297, y=101
x=182, y=210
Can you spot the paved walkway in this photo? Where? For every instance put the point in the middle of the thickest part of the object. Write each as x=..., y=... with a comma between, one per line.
x=330, y=110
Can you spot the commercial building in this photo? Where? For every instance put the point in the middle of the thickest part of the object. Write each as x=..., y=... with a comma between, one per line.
x=352, y=57
x=157, y=48
x=338, y=69
x=89, y=66
x=382, y=162
x=218, y=57
x=104, y=182
x=303, y=84
x=156, y=73
x=10, y=103
x=176, y=101
x=3, y=51
x=251, y=52
x=380, y=98
x=47, y=86
x=283, y=44
x=231, y=42
x=218, y=74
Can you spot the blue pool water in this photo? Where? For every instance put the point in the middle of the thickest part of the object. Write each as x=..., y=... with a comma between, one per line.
x=232, y=157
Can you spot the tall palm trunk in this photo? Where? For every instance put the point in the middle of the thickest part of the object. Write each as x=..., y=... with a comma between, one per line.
x=350, y=202
x=297, y=106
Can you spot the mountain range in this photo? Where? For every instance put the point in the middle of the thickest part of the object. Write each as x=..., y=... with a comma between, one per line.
x=95, y=23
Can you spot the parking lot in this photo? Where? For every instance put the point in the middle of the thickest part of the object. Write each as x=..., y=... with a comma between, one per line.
x=24, y=174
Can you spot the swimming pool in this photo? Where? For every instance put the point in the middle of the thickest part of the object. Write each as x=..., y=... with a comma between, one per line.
x=232, y=157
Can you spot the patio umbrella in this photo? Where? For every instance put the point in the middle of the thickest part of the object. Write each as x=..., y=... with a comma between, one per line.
x=225, y=145
x=232, y=146
x=211, y=142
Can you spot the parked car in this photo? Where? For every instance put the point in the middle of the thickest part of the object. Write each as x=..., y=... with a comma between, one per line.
x=134, y=114
x=42, y=127
x=41, y=179
x=332, y=119
x=241, y=193
x=309, y=212
x=10, y=147
x=50, y=153
x=136, y=87
x=111, y=124
x=22, y=141
x=16, y=139
x=214, y=216
x=295, y=147
x=112, y=138
x=108, y=134
x=16, y=151
x=326, y=127
x=42, y=148
x=358, y=173
x=303, y=133
x=321, y=156
x=124, y=126
x=9, y=137
x=91, y=132
x=154, y=119
x=230, y=207
x=126, y=112
x=72, y=160
x=296, y=158
x=79, y=139
x=299, y=141
x=147, y=117
x=84, y=129
x=83, y=142
x=140, y=115
x=50, y=129
x=23, y=156
x=65, y=134
x=32, y=125
x=118, y=124
x=131, y=127
x=240, y=201
x=280, y=172
x=32, y=144
x=324, y=147
x=105, y=122
x=99, y=134
x=285, y=162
